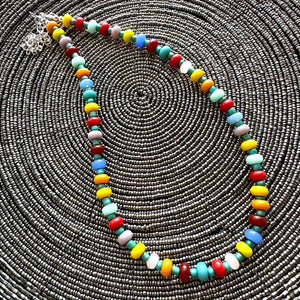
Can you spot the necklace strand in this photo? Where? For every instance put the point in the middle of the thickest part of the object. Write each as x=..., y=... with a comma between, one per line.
x=252, y=236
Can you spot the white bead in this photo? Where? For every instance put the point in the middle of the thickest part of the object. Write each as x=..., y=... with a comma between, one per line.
x=95, y=134
x=152, y=261
x=232, y=261
x=243, y=129
x=185, y=67
x=115, y=32
x=125, y=237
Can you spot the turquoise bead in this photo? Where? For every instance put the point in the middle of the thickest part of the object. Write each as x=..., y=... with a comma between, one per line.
x=202, y=271
x=159, y=264
x=227, y=267
x=175, y=270
x=254, y=159
x=253, y=236
x=89, y=94
x=76, y=61
x=235, y=118
x=99, y=164
x=211, y=272
x=92, y=26
x=212, y=89
x=193, y=272
x=119, y=231
x=145, y=256
x=109, y=209
x=217, y=95
x=110, y=217
x=86, y=83
x=164, y=52
x=140, y=40
x=130, y=245
x=239, y=256
x=106, y=201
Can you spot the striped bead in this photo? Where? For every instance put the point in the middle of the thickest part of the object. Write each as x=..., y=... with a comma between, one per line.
x=244, y=249
x=104, y=192
x=253, y=236
x=202, y=271
x=254, y=159
x=261, y=191
x=166, y=268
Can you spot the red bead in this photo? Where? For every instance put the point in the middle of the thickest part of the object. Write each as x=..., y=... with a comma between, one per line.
x=175, y=59
x=224, y=106
x=184, y=273
x=93, y=121
x=79, y=23
x=219, y=268
x=257, y=175
x=257, y=220
x=70, y=51
x=97, y=149
x=151, y=46
x=104, y=28
x=115, y=223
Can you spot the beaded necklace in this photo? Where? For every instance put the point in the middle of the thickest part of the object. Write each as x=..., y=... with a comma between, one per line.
x=252, y=236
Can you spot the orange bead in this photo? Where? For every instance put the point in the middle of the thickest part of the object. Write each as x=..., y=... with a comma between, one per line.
x=82, y=72
x=101, y=178
x=50, y=26
x=206, y=85
x=260, y=204
x=166, y=267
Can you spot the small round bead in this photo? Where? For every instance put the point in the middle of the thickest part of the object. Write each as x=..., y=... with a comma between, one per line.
x=254, y=159
x=184, y=273
x=257, y=220
x=244, y=249
x=257, y=175
x=152, y=261
x=234, y=118
x=77, y=61
x=206, y=85
x=243, y=129
x=219, y=268
x=138, y=250
x=99, y=164
x=164, y=52
x=66, y=20
x=115, y=223
x=115, y=32
x=89, y=94
x=253, y=236
x=202, y=271
x=151, y=46
x=125, y=237
x=232, y=261
x=93, y=121
x=104, y=192
x=166, y=268
x=96, y=134
x=101, y=179
x=97, y=149
x=92, y=26
x=248, y=145
x=64, y=41
x=128, y=34
x=140, y=40
x=50, y=26
x=57, y=33
x=79, y=23
x=193, y=272
x=261, y=191
x=185, y=66
x=227, y=104
x=104, y=29
x=70, y=51
x=109, y=209
x=196, y=75
x=175, y=59
x=91, y=107
x=82, y=72
x=217, y=95
x=260, y=204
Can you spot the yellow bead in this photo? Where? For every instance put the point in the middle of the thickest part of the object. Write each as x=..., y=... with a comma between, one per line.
x=166, y=267
x=57, y=33
x=196, y=75
x=66, y=20
x=128, y=34
x=104, y=192
x=257, y=190
x=138, y=250
x=248, y=145
x=91, y=107
x=244, y=249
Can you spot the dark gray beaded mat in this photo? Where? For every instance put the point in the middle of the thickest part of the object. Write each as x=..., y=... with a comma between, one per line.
x=177, y=171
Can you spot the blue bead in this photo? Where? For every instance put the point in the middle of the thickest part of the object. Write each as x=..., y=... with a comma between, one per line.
x=86, y=83
x=202, y=271
x=235, y=118
x=253, y=236
x=140, y=40
x=99, y=164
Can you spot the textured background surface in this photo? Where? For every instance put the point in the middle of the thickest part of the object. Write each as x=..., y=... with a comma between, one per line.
x=177, y=172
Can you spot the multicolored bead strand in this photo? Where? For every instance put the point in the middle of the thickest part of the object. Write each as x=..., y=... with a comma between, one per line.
x=252, y=236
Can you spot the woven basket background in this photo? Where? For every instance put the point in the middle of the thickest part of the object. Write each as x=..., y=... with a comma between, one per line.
x=177, y=172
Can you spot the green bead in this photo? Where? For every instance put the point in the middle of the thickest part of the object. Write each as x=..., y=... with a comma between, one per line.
x=76, y=61
x=227, y=267
x=164, y=52
x=261, y=213
x=190, y=71
x=238, y=123
x=119, y=231
x=181, y=62
x=145, y=256
x=106, y=201
x=97, y=27
x=256, y=167
x=146, y=42
x=72, y=22
x=202, y=79
x=211, y=272
x=260, y=182
x=93, y=114
x=100, y=171
x=130, y=245
x=239, y=256
x=85, y=25
x=109, y=31
x=257, y=228
x=95, y=127
x=217, y=95
x=110, y=217
x=100, y=186
x=193, y=272
x=222, y=99
x=170, y=55
x=95, y=142
x=97, y=156
x=89, y=94
x=246, y=137
x=157, y=50
x=260, y=197
x=133, y=38
x=212, y=89
x=231, y=111
x=252, y=151
x=250, y=244
x=175, y=270
x=159, y=264
x=121, y=34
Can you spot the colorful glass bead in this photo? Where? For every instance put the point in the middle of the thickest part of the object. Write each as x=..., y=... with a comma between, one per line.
x=115, y=32
x=227, y=104
x=70, y=51
x=174, y=60
x=64, y=41
x=232, y=261
x=244, y=249
x=217, y=95
x=79, y=23
x=184, y=273
x=57, y=33
x=166, y=268
x=109, y=209
x=115, y=223
x=125, y=237
x=185, y=66
x=206, y=85
x=234, y=118
x=219, y=268
x=77, y=61
x=151, y=46
x=140, y=40
x=254, y=159
x=89, y=94
x=253, y=236
x=104, y=192
x=99, y=164
x=243, y=129
x=248, y=145
x=202, y=271
x=97, y=149
x=104, y=29
x=164, y=52
x=257, y=175
x=260, y=204
x=66, y=20
x=196, y=75
x=82, y=72
x=257, y=220
x=95, y=134
x=93, y=121
x=128, y=34
x=50, y=26
x=261, y=191
x=138, y=250
x=101, y=179
x=152, y=261
x=92, y=26
x=91, y=107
